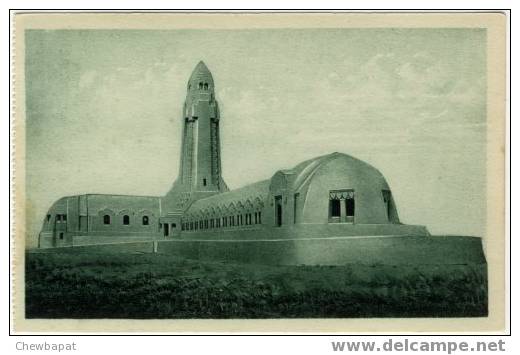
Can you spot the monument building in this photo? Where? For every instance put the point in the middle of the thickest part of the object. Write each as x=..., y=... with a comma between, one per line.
x=334, y=195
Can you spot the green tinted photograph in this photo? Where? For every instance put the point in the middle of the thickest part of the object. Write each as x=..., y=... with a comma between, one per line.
x=256, y=173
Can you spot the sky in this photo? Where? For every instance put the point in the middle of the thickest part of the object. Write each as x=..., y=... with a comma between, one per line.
x=103, y=111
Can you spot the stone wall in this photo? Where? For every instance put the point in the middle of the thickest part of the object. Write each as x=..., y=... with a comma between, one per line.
x=334, y=251
x=402, y=250
x=300, y=231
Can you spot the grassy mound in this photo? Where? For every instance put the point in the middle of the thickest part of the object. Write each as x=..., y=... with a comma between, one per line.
x=162, y=286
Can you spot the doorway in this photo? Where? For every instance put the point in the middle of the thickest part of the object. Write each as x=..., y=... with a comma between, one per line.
x=278, y=210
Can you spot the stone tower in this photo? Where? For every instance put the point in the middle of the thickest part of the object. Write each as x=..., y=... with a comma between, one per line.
x=200, y=160
x=200, y=172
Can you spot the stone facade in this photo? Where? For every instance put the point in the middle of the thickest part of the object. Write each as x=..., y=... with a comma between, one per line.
x=328, y=196
x=93, y=218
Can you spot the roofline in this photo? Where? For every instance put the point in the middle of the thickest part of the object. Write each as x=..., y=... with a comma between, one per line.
x=120, y=195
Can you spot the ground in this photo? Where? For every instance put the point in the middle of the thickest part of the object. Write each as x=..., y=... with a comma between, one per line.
x=144, y=286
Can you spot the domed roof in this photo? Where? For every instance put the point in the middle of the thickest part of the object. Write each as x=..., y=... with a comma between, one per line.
x=305, y=170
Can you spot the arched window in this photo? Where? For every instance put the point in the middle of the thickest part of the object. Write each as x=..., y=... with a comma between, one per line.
x=200, y=85
x=126, y=219
x=205, y=86
x=106, y=219
x=146, y=221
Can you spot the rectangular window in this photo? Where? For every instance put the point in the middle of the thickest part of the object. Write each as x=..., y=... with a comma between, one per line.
x=61, y=236
x=296, y=207
x=335, y=208
x=350, y=207
x=341, y=206
x=61, y=217
x=204, y=182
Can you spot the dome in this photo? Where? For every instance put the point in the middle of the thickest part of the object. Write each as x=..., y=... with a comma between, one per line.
x=340, y=176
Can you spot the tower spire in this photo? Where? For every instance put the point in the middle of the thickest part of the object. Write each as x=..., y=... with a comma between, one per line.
x=200, y=76
x=200, y=173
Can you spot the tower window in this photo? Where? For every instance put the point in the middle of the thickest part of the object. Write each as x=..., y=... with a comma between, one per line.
x=200, y=85
x=106, y=219
x=146, y=221
x=61, y=235
x=204, y=181
x=126, y=219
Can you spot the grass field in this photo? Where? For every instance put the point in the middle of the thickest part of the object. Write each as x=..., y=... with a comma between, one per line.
x=162, y=286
